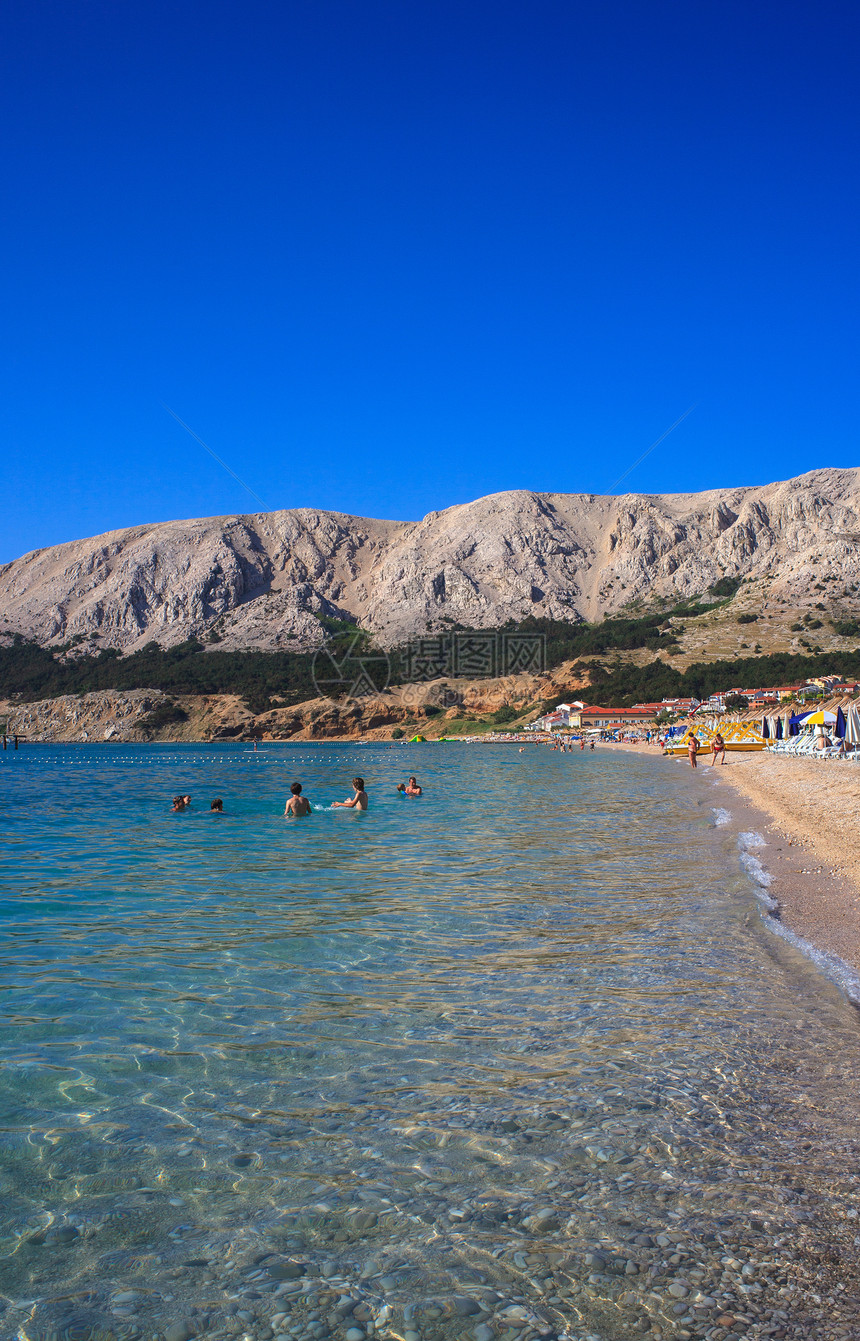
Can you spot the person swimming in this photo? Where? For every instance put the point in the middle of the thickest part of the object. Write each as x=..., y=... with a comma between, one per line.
x=178, y=804
x=298, y=805
x=217, y=807
x=358, y=801
x=412, y=788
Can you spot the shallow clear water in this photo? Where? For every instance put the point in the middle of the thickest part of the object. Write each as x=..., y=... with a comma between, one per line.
x=519, y=1055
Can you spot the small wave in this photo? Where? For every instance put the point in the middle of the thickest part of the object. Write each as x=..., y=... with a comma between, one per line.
x=761, y=878
x=831, y=965
x=721, y=816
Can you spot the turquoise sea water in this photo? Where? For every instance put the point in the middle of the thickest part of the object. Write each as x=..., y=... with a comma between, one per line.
x=519, y=1055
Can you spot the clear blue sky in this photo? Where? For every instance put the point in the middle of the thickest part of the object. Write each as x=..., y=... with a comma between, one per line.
x=389, y=256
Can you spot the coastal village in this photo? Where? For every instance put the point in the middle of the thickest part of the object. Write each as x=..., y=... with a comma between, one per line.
x=580, y=716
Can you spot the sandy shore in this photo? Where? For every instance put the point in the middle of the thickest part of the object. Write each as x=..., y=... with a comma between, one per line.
x=808, y=811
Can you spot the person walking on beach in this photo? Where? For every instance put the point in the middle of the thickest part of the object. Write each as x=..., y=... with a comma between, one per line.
x=718, y=745
x=693, y=747
x=298, y=805
x=357, y=802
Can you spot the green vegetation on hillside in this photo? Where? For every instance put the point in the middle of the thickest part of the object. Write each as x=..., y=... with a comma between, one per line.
x=31, y=672
x=28, y=671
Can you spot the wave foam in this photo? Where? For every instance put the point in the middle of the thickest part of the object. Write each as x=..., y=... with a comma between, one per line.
x=761, y=878
x=721, y=816
x=831, y=965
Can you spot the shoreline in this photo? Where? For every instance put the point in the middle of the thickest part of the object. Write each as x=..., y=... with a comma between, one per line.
x=808, y=813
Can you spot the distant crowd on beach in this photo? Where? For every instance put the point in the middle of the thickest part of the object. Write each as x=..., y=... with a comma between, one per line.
x=298, y=804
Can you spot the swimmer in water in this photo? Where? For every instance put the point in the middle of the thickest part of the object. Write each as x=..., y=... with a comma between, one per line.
x=357, y=802
x=412, y=788
x=217, y=807
x=297, y=805
x=178, y=804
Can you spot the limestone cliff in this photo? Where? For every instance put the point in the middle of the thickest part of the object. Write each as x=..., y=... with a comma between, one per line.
x=259, y=581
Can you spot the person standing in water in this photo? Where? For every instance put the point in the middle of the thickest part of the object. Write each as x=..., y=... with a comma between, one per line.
x=718, y=745
x=357, y=802
x=693, y=748
x=298, y=805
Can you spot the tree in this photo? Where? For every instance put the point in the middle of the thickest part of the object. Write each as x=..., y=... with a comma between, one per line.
x=737, y=703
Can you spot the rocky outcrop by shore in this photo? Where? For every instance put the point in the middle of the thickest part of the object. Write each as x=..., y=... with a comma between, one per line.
x=263, y=581
x=148, y=714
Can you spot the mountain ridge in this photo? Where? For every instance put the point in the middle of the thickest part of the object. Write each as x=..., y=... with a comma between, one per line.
x=265, y=580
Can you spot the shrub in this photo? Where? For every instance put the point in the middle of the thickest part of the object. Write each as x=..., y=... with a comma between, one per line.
x=846, y=628
x=257, y=701
x=164, y=714
x=505, y=714
x=726, y=586
x=747, y=619
x=398, y=733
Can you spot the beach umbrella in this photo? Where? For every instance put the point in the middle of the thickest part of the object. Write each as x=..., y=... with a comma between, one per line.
x=852, y=726
x=840, y=723
x=820, y=718
x=765, y=728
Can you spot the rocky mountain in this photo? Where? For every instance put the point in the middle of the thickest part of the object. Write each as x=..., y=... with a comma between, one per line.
x=261, y=581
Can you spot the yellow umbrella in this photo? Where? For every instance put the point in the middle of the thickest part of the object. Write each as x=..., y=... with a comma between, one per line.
x=819, y=718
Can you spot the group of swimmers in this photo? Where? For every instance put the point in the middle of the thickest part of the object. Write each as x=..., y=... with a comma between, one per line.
x=298, y=805
x=181, y=803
